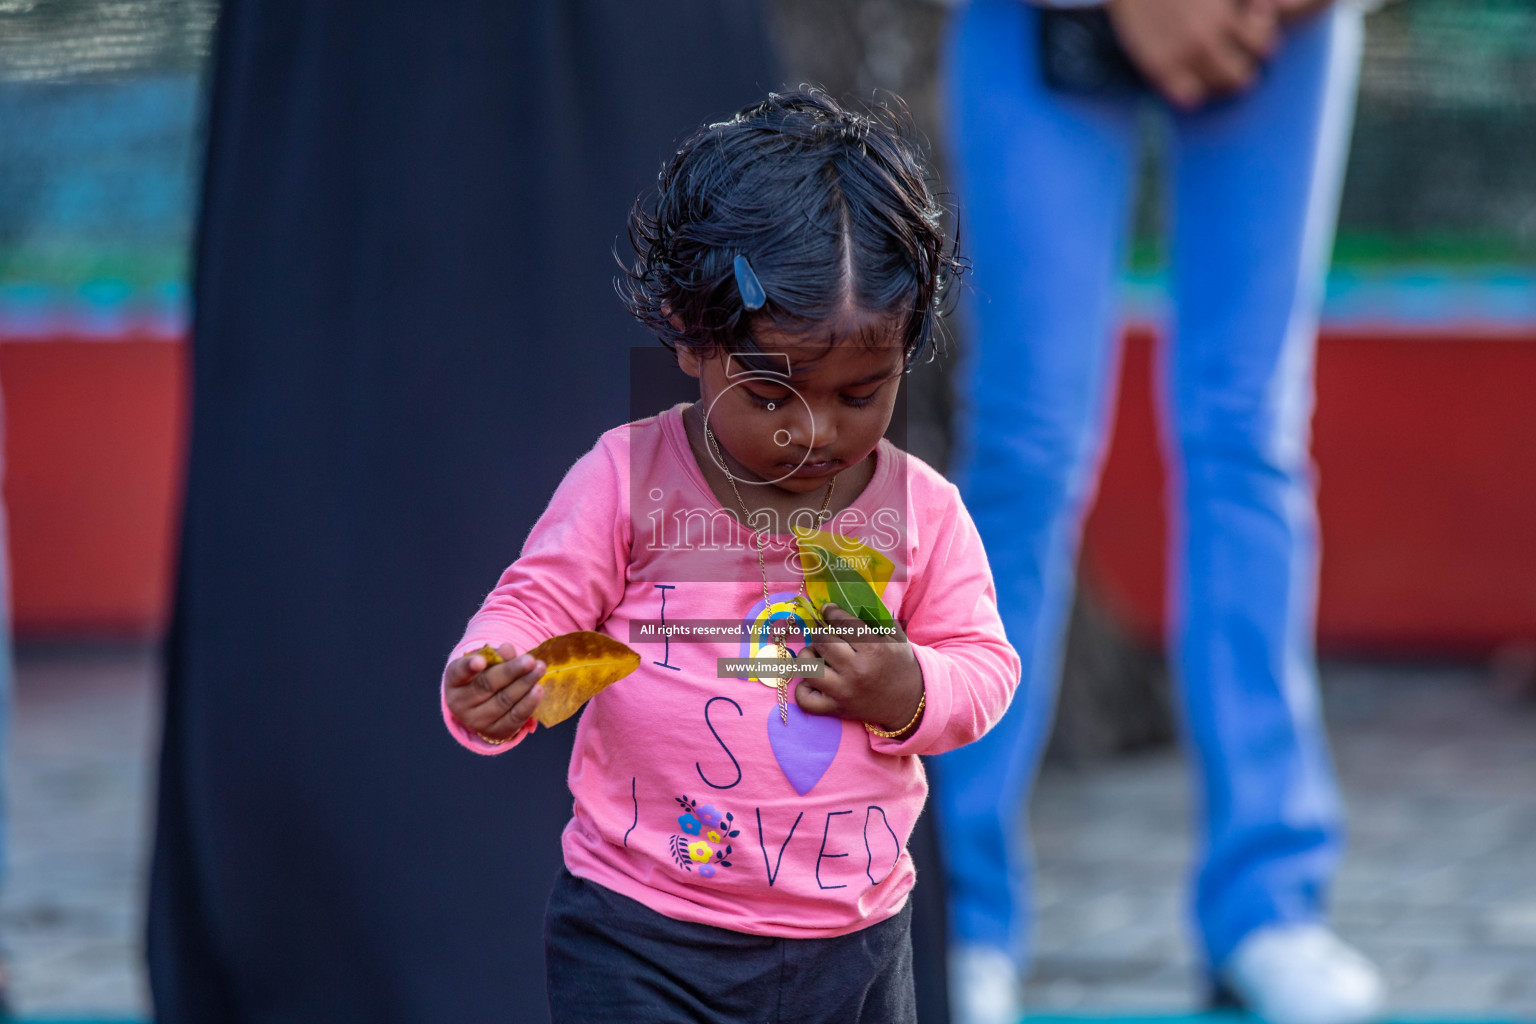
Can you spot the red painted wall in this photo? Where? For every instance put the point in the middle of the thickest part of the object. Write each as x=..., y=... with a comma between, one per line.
x=93, y=435
x=1427, y=490
x=1426, y=453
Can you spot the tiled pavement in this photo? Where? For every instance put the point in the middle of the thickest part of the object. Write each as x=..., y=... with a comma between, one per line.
x=1439, y=886
x=83, y=731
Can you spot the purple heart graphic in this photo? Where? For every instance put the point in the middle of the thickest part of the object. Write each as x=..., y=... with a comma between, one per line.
x=805, y=746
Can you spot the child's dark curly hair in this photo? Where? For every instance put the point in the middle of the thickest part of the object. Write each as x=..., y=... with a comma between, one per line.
x=832, y=208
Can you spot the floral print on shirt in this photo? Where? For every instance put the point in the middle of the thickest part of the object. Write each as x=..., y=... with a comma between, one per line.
x=704, y=843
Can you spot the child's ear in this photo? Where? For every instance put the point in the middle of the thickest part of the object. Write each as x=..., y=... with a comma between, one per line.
x=688, y=361
x=687, y=357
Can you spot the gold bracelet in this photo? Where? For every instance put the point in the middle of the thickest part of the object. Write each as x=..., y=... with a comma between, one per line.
x=922, y=702
x=494, y=743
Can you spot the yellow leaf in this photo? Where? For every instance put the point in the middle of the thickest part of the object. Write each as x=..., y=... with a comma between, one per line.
x=577, y=667
x=810, y=618
x=846, y=572
x=490, y=654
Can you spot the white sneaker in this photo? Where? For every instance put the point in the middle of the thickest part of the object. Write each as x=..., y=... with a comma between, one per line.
x=1303, y=974
x=983, y=987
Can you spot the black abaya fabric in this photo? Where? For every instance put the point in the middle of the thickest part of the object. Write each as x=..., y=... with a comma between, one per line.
x=405, y=332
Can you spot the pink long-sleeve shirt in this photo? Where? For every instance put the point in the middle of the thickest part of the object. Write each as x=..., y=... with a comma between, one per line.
x=691, y=794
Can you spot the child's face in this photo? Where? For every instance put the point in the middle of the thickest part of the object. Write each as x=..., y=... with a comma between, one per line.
x=793, y=434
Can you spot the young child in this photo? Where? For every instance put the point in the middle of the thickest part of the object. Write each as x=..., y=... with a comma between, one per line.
x=736, y=850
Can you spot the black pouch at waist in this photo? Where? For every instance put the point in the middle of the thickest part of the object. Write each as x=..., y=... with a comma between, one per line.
x=1080, y=53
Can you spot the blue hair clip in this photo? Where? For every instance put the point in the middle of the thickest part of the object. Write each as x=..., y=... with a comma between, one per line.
x=751, y=289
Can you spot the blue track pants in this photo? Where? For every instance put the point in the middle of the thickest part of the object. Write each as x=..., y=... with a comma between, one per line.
x=1046, y=184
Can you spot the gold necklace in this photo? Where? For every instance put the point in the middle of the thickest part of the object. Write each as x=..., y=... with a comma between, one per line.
x=780, y=683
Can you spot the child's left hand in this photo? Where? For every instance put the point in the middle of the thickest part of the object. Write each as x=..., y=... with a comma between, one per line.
x=874, y=679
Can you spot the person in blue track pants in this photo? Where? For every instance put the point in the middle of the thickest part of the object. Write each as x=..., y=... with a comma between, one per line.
x=1257, y=100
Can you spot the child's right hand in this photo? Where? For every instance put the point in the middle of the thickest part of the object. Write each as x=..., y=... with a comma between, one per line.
x=494, y=700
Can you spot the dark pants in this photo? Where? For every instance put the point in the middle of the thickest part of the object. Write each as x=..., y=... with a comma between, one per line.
x=613, y=959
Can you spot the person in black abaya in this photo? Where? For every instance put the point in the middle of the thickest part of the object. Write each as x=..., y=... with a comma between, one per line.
x=405, y=332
